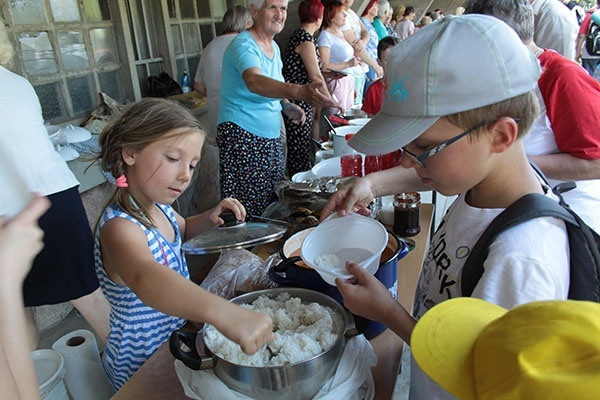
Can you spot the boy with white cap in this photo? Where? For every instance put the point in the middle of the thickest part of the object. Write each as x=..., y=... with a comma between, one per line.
x=459, y=100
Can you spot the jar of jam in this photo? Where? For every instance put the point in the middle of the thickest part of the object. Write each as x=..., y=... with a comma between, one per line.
x=406, y=214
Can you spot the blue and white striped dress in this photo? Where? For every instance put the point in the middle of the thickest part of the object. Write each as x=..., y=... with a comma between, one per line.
x=136, y=330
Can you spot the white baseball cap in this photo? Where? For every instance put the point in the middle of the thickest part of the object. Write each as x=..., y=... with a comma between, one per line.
x=455, y=65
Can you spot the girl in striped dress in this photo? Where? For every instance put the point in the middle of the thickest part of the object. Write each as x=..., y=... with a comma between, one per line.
x=152, y=151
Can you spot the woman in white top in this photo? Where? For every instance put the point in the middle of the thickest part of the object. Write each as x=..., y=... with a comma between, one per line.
x=337, y=54
x=64, y=269
x=357, y=35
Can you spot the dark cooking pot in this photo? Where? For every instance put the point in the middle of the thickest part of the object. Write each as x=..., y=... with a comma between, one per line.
x=294, y=381
x=292, y=272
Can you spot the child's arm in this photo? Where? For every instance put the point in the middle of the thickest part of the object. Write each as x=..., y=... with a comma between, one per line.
x=356, y=196
x=368, y=297
x=210, y=219
x=128, y=261
x=20, y=242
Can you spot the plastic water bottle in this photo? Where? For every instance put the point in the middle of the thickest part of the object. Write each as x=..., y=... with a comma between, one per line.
x=185, y=82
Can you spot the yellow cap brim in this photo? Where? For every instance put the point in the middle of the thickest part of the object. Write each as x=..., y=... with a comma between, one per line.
x=442, y=342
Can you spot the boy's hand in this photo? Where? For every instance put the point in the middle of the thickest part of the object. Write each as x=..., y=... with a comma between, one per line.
x=364, y=294
x=354, y=197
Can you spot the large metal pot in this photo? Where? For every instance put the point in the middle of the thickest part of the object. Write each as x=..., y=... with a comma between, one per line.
x=295, y=381
x=292, y=272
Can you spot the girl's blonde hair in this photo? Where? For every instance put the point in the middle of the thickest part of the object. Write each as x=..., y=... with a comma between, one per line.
x=143, y=123
x=6, y=49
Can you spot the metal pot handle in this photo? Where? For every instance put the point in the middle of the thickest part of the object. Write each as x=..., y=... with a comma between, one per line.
x=189, y=357
x=277, y=273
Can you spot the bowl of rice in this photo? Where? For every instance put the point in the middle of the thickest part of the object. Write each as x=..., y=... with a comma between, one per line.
x=310, y=334
x=339, y=239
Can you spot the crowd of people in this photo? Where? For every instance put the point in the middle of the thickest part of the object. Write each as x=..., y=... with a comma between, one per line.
x=467, y=126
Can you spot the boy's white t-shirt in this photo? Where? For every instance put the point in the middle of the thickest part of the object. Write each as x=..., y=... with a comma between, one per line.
x=525, y=263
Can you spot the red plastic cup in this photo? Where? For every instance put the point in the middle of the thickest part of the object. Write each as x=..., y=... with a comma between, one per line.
x=373, y=164
x=351, y=165
x=391, y=160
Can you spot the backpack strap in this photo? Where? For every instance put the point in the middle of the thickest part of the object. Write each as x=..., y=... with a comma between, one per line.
x=530, y=206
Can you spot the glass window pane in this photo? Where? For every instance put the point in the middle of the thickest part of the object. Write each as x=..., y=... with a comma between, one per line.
x=172, y=9
x=103, y=46
x=203, y=7
x=82, y=94
x=177, y=45
x=143, y=79
x=219, y=27
x=72, y=50
x=187, y=9
x=206, y=33
x=27, y=11
x=156, y=68
x=191, y=39
x=193, y=66
x=180, y=67
x=111, y=84
x=38, y=56
x=51, y=101
x=65, y=10
x=96, y=10
x=218, y=9
x=138, y=31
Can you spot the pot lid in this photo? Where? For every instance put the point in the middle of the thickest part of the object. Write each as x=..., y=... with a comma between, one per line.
x=235, y=235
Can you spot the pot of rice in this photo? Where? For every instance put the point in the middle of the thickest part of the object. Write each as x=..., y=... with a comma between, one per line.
x=310, y=335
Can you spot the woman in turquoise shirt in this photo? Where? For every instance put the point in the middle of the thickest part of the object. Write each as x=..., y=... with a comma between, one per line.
x=253, y=94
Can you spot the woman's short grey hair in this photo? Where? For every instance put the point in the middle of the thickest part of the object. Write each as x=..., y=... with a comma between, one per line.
x=517, y=14
x=383, y=6
x=6, y=49
x=259, y=3
x=235, y=19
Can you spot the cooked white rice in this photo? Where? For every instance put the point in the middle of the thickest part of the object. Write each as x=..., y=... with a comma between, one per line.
x=302, y=330
x=327, y=261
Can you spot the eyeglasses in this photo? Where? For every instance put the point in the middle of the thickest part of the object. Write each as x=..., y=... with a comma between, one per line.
x=420, y=159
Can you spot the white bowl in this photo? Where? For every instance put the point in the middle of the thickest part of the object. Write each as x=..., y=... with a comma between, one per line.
x=353, y=237
x=76, y=134
x=328, y=167
x=303, y=176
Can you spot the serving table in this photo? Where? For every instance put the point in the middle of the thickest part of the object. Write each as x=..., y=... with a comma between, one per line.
x=157, y=379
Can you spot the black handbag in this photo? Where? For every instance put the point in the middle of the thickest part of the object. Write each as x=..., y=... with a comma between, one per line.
x=163, y=86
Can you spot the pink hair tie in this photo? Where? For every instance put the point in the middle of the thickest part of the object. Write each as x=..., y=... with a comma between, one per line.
x=122, y=182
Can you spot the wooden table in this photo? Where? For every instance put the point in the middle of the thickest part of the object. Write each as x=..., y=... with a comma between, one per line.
x=157, y=379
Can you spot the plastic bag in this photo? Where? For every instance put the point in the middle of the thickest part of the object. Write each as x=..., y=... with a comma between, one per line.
x=238, y=271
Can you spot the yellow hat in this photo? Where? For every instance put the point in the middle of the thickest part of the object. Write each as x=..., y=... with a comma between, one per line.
x=540, y=350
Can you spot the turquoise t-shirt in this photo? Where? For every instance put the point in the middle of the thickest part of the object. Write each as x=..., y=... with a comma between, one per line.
x=254, y=113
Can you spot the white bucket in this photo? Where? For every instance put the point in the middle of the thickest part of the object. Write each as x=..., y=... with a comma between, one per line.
x=340, y=146
x=50, y=372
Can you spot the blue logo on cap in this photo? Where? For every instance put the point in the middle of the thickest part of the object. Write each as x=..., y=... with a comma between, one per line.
x=397, y=91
